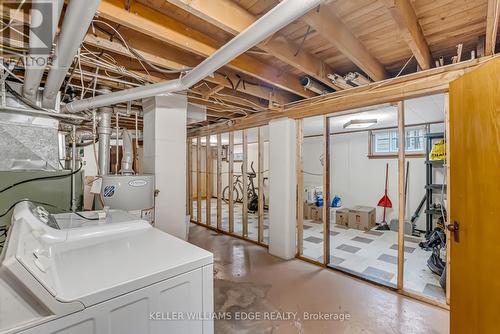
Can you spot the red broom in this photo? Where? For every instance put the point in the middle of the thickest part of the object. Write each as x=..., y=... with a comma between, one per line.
x=385, y=202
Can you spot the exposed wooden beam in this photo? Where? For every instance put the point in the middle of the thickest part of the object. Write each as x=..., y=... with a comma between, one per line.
x=172, y=59
x=156, y=25
x=232, y=104
x=230, y=17
x=427, y=82
x=213, y=91
x=330, y=27
x=409, y=28
x=492, y=19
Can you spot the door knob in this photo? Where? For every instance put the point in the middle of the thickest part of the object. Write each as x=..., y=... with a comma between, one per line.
x=455, y=228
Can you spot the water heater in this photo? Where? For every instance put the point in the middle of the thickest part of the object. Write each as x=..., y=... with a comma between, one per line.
x=132, y=193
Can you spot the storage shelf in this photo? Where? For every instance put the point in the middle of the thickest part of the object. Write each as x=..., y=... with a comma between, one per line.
x=435, y=187
x=435, y=163
x=435, y=135
x=432, y=188
x=434, y=212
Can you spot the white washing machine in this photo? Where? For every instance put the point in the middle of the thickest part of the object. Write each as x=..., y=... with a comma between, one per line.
x=67, y=274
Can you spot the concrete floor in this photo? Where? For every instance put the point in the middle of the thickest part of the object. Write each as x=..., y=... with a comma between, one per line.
x=248, y=279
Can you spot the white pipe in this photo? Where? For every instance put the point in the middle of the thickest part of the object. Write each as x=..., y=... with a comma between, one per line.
x=77, y=19
x=128, y=154
x=104, y=130
x=73, y=168
x=42, y=113
x=277, y=18
x=36, y=62
x=313, y=86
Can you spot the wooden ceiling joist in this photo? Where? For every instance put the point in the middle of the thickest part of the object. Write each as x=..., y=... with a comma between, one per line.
x=409, y=28
x=428, y=82
x=233, y=102
x=161, y=27
x=492, y=21
x=230, y=17
x=169, y=59
x=330, y=27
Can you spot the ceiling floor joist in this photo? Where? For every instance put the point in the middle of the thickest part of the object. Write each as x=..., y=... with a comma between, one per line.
x=330, y=27
x=409, y=28
x=428, y=82
x=230, y=17
x=161, y=27
x=492, y=21
x=171, y=60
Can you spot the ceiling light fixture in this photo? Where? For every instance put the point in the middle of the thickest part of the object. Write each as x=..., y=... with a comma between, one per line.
x=360, y=123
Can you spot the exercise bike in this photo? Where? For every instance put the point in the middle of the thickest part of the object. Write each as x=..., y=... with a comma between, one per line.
x=252, y=190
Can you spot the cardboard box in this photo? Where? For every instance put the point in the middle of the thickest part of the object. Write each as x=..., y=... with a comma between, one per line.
x=342, y=217
x=362, y=218
x=316, y=213
x=312, y=212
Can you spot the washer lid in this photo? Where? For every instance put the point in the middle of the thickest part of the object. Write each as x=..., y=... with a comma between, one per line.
x=95, y=270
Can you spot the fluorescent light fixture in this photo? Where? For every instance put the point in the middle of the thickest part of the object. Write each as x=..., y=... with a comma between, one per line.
x=360, y=123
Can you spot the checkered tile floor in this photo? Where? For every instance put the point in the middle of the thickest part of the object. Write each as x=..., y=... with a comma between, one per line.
x=253, y=219
x=373, y=255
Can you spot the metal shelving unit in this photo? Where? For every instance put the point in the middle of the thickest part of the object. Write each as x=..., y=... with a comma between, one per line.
x=431, y=187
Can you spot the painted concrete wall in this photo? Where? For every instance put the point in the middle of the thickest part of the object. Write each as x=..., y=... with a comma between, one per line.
x=165, y=156
x=282, y=188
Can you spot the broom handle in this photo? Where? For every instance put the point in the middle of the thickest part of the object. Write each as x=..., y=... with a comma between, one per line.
x=386, y=177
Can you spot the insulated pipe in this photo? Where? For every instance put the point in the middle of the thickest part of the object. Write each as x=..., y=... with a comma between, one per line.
x=41, y=113
x=278, y=17
x=77, y=19
x=313, y=86
x=36, y=61
x=128, y=154
x=73, y=168
x=104, y=131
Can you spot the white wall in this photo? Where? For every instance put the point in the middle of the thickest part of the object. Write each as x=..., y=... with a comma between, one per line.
x=165, y=156
x=358, y=180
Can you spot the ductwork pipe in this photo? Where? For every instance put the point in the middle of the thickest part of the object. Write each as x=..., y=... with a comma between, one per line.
x=36, y=61
x=47, y=114
x=77, y=19
x=128, y=154
x=313, y=86
x=104, y=131
x=277, y=18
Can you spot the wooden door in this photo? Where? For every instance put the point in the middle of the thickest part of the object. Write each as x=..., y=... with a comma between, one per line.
x=474, y=161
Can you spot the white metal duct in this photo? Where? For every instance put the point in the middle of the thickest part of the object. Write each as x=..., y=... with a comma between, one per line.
x=77, y=19
x=38, y=56
x=277, y=18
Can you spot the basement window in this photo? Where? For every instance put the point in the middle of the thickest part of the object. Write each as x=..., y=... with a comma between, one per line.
x=383, y=143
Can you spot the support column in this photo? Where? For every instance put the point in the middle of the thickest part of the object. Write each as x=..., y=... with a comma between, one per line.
x=165, y=156
x=282, y=188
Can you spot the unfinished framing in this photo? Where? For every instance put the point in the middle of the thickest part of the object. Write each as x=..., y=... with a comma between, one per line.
x=390, y=91
x=195, y=171
x=326, y=190
x=230, y=159
x=198, y=180
x=208, y=182
x=189, y=186
x=300, y=187
x=401, y=201
x=219, y=182
x=260, y=181
x=401, y=194
x=244, y=176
